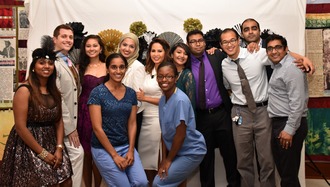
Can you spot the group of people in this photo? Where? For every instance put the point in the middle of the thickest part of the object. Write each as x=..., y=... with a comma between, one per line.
x=153, y=125
x=273, y=125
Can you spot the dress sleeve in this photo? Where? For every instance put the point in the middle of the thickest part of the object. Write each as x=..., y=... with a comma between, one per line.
x=190, y=87
x=181, y=112
x=133, y=95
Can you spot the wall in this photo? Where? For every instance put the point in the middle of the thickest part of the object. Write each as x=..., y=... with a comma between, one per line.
x=284, y=17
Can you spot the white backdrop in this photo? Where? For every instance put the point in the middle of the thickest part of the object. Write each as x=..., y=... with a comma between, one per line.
x=281, y=16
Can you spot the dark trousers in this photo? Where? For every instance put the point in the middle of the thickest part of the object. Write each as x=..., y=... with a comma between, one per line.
x=217, y=131
x=288, y=160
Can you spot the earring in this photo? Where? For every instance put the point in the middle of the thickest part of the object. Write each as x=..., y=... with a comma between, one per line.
x=33, y=70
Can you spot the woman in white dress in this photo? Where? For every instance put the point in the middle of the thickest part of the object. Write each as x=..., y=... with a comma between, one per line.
x=129, y=47
x=150, y=136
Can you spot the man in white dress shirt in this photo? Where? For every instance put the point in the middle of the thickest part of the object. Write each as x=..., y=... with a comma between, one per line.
x=249, y=127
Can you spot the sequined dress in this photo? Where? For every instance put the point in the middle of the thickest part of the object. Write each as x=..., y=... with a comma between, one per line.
x=20, y=164
x=84, y=126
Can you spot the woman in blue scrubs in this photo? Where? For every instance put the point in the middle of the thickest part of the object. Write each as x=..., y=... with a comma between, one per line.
x=184, y=147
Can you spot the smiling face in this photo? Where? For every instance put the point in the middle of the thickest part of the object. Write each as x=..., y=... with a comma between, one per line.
x=64, y=41
x=166, y=78
x=117, y=69
x=127, y=47
x=44, y=68
x=157, y=53
x=179, y=57
x=92, y=48
x=276, y=51
x=230, y=44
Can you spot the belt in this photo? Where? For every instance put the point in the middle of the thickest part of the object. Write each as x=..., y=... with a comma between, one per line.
x=210, y=110
x=283, y=118
x=264, y=103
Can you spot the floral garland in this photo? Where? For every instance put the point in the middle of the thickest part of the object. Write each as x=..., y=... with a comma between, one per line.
x=192, y=24
x=138, y=28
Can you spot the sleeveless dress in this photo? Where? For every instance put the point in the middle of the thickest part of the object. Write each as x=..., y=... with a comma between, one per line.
x=84, y=126
x=20, y=165
x=150, y=136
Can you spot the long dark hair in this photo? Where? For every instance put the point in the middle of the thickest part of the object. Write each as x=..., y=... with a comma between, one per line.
x=34, y=82
x=109, y=60
x=187, y=51
x=84, y=59
x=149, y=63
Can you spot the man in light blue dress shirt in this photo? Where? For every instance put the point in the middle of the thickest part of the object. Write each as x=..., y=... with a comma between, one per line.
x=287, y=107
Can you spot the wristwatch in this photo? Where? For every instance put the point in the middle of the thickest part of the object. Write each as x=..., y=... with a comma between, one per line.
x=59, y=146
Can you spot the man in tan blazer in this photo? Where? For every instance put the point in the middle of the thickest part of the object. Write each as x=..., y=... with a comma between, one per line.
x=68, y=83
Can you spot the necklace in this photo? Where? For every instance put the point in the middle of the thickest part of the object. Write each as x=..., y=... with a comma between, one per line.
x=94, y=65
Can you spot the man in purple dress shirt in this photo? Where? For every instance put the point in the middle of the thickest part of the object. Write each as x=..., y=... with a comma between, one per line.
x=213, y=115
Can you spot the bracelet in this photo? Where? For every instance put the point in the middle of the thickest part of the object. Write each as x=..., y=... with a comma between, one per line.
x=43, y=154
x=59, y=146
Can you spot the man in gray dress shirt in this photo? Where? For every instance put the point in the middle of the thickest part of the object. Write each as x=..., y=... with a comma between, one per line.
x=287, y=107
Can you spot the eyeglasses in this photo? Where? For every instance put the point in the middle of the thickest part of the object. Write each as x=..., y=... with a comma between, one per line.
x=114, y=67
x=232, y=42
x=167, y=77
x=277, y=48
x=196, y=41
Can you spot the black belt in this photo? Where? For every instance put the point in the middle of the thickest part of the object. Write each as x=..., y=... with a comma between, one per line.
x=265, y=103
x=210, y=110
x=283, y=118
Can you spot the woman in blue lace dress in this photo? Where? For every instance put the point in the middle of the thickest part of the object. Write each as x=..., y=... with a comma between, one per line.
x=180, y=55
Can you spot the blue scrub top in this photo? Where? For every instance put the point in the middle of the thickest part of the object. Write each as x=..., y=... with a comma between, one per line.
x=178, y=108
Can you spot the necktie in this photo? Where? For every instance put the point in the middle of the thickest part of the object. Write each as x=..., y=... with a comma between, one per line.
x=74, y=73
x=201, y=85
x=69, y=61
x=246, y=89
